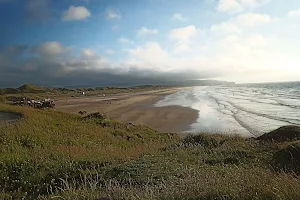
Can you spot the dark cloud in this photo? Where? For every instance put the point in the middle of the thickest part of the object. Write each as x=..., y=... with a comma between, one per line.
x=34, y=9
x=49, y=49
x=14, y=50
x=7, y=1
x=17, y=67
x=38, y=9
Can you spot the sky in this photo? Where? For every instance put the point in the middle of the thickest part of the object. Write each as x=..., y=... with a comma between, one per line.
x=108, y=42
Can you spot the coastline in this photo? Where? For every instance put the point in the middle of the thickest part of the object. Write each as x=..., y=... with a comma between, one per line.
x=137, y=109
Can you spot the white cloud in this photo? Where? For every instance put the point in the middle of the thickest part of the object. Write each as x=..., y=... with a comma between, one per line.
x=182, y=37
x=225, y=28
x=76, y=13
x=294, y=13
x=181, y=47
x=110, y=52
x=253, y=19
x=150, y=48
x=236, y=49
x=184, y=33
x=88, y=53
x=150, y=56
x=229, y=6
x=236, y=6
x=145, y=31
x=256, y=40
x=52, y=49
x=239, y=23
x=252, y=40
x=178, y=17
x=124, y=40
x=113, y=14
x=88, y=60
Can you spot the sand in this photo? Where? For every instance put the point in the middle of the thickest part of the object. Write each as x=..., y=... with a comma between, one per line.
x=136, y=108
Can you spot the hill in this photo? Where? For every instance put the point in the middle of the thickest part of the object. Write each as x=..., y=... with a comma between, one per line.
x=286, y=133
x=50, y=154
x=26, y=88
x=33, y=89
x=9, y=91
x=29, y=88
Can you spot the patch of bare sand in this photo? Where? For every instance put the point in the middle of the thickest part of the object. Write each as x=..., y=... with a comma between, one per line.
x=137, y=109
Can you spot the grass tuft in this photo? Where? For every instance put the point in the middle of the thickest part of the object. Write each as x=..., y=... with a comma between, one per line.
x=288, y=158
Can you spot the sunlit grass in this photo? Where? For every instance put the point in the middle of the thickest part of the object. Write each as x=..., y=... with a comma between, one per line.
x=49, y=154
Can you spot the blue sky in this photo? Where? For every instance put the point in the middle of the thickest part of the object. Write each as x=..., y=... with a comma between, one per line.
x=153, y=40
x=97, y=29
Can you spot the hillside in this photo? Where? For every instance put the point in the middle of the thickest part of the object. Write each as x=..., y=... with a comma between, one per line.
x=26, y=88
x=8, y=95
x=34, y=89
x=55, y=155
x=286, y=133
x=9, y=91
x=29, y=88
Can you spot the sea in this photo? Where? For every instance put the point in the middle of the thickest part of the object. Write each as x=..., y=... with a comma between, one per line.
x=248, y=110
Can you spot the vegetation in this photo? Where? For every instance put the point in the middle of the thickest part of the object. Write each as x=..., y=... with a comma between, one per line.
x=37, y=92
x=288, y=158
x=285, y=133
x=29, y=88
x=54, y=155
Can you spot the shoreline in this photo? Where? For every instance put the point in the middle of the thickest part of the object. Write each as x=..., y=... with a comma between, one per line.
x=137, y=108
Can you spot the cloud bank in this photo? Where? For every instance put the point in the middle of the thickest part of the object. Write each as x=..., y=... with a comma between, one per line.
x=51, y=63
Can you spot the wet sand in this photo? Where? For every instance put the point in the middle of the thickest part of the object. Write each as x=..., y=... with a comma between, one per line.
x=136, y=108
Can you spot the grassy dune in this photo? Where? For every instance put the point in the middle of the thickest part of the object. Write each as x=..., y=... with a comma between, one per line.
x=37, y=92
x=54, y=155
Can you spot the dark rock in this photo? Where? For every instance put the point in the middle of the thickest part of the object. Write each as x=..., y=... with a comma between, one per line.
x=82, y=112
x=285, y=133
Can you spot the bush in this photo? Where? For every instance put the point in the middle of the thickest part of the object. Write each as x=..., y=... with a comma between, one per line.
x=288, y=158
x=203, y=140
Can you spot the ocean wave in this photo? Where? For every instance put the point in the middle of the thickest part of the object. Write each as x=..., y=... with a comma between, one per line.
x=257, y=109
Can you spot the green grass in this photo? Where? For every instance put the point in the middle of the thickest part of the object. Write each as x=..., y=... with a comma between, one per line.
x=37, y=92
x=29, y=88
x=55, y=155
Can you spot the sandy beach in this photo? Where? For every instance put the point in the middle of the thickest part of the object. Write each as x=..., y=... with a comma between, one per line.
x=137, y=108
